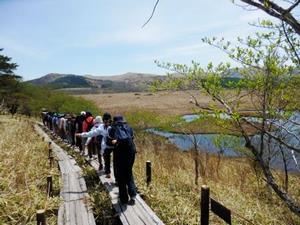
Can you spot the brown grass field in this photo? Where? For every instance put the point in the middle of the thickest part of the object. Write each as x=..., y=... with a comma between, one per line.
x=163, y=102
x=168, y=103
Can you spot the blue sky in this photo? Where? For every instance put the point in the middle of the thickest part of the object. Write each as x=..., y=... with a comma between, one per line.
x=104, y=37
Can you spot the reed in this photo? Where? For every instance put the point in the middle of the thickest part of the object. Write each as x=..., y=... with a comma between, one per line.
x=176, y=199
x=23, y=174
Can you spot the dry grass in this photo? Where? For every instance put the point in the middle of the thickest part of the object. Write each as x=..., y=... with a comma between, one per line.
x=24, y=169
x=166, y=103
x=175, y=198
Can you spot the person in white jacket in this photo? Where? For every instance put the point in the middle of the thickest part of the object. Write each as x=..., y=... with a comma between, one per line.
x=107, y=148
x=96, y=141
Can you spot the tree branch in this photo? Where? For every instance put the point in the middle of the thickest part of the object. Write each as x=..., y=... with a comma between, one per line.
x=153, y=11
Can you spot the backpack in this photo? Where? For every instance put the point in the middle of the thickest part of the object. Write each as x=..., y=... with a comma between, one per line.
x=123, y=133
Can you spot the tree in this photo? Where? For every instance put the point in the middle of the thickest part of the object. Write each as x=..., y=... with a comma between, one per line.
x=283, y=13
x=6, y=67
x=10, y=86
x=270, y=81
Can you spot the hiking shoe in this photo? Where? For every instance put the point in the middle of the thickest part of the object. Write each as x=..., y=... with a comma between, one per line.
x=131, y=201
x=107, y=176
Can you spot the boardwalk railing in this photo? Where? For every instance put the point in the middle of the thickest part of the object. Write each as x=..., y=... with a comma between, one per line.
x=216, y=207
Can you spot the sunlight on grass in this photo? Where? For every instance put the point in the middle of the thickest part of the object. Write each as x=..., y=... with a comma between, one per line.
x=176, y=199
x=24, y=170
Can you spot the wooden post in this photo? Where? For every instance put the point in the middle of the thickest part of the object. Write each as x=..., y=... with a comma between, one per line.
x=40, y=217
x=49, y=185
x=51, y=161
x=58, y=167
x=50, y=153
x=204, y=204
x=148, y=173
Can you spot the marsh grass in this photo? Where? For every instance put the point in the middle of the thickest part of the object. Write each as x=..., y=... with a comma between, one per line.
x=176, y=199
x=24, y=170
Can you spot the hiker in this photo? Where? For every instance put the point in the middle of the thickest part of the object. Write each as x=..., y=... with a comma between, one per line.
x=78, y=127
x=107, y=147
x=86, y=127
x=121, y=136
x=96, y=141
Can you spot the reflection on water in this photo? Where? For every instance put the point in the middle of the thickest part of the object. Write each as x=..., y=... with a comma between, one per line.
x=192, y=117
x=224, y=116
x=227, y=145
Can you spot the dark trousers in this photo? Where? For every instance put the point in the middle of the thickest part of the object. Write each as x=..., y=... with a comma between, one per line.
x=79, y=143
x=124, y=160
x=98, y=148
x=106, y=156
x=91, y=147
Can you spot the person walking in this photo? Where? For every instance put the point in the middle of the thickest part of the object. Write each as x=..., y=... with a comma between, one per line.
x=78, y=127
x=96, y=141
x=107, y=147
x=86, y=127
x=121, y=136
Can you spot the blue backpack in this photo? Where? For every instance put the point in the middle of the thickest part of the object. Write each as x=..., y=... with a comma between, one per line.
x=122, y=132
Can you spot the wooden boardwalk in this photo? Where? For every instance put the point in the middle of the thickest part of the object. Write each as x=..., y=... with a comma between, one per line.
x=138, y=214
x=74, y=210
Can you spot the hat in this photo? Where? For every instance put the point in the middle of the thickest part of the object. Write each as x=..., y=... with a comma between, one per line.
x=88, y=114
x=118, y=119
x=98, y=119
x=106, y=116
x=82, y=113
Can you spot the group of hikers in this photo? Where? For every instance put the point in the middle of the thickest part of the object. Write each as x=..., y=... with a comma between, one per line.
x=100, y=136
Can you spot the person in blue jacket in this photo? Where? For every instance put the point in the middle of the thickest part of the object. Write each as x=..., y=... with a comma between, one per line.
x=121, y=135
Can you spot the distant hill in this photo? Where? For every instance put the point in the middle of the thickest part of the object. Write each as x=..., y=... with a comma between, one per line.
x=129, y=82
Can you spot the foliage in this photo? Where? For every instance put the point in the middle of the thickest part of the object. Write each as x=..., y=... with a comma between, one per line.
x=270, y=79
x=38, y=98
x=285, y=11
x=6, y=67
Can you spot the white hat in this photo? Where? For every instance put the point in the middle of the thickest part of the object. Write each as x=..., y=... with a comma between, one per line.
x=82, y=113
x=98, y=119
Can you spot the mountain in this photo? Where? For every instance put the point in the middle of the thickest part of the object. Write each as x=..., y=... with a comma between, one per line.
x=129, y=82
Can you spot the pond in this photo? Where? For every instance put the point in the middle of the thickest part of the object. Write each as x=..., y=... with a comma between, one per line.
x=233, y=146
x=228, y=145
x=224, y=116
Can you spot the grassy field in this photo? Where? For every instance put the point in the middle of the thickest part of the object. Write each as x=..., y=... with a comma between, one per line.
x=23, y=173
x=165, y=103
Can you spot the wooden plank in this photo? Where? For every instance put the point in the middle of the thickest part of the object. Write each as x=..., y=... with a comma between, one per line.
x=60, y=215
x=138, y=214
x=72, y=212
x=73, y=190
x=220, y=211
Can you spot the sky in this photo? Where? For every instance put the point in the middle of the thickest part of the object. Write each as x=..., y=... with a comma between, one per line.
x=105, y=37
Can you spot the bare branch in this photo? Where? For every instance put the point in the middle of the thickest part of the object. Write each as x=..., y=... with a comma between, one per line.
x=153, y=11
x=293, y=6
